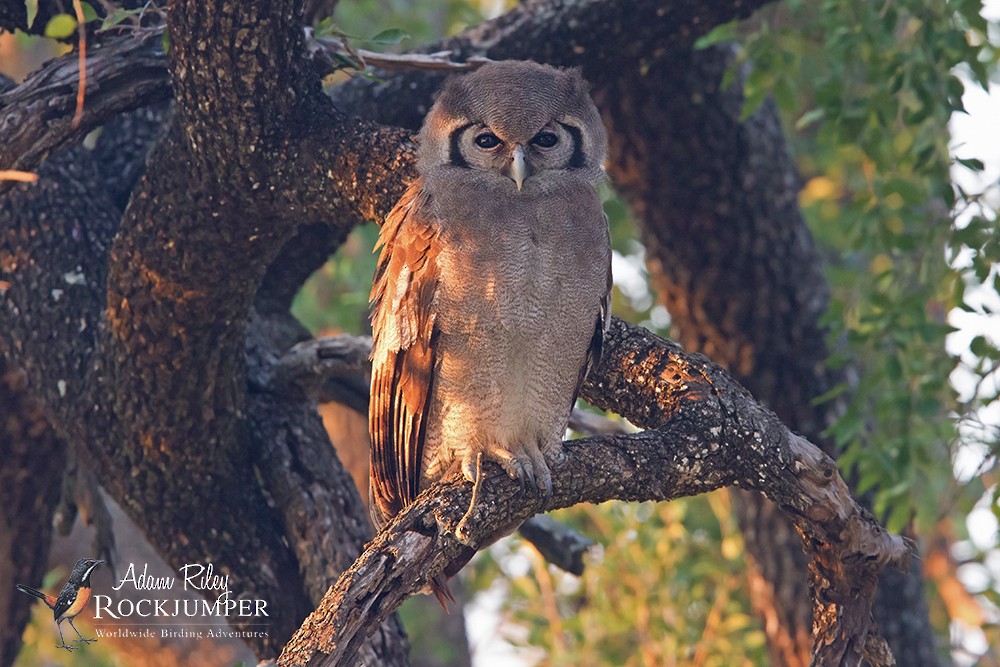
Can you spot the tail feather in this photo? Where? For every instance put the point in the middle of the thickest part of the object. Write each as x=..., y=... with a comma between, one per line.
x=439, y=586
x=47, y=599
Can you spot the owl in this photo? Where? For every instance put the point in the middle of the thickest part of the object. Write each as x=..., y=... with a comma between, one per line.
x=493, y=284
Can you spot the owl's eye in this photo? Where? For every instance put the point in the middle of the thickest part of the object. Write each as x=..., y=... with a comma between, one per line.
x=545, y=140
x=487, y=140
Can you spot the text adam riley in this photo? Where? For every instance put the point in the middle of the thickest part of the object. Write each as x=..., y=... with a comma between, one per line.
x=196, y=577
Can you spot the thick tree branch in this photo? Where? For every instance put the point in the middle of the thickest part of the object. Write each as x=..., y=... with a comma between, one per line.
x=167, y=378
x=195, y=241
x=36, y=117
x=239, y=75
x=707, y=433
x=558, y=33
x=129, y=71
x=731, y=258
x=323, y=519
x=595, y=35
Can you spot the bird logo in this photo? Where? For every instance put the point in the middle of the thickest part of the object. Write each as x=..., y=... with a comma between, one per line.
x=71, y=601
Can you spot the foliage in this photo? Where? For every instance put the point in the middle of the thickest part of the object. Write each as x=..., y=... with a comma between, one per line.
x=871, y=89
x=336, y=296
x=447, y=18
x=867, y=91
x=666, y=587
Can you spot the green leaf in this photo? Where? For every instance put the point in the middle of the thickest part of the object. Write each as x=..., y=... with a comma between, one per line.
x=784, y=93
x=972, y=164
x=31, y=6
x=908, y=190
x=89, y=13
x=326, y=27
x=723, y=33
x=980, y=347
x=166, y=41
x=348, y=61
x=810, y=117
x=116, y=17
x=928, y=406
x=390, y=37
x=832, y=393
x=754, y=99
x=60, y=26
x=899, y=515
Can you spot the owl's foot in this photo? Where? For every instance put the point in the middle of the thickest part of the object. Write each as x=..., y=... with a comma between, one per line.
x=556, y=455
x=529, y=468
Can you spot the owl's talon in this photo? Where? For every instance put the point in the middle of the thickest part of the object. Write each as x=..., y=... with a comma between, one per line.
x=559, y=456
x=546, y=487
x=471, y=467
x=521, y=482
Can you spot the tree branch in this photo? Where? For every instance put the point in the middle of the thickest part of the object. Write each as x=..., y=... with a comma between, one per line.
x=707, y=432
x=128, y=72
x=560, y=545
x=37, y=116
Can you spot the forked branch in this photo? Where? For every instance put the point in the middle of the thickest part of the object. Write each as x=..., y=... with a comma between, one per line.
x=706, y=432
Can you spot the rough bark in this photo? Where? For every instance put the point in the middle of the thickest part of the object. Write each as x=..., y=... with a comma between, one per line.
x=705, y=432
x=731, y=259
x=595, y=35
x=30, y=480
x=592, y=34
x=192, y=250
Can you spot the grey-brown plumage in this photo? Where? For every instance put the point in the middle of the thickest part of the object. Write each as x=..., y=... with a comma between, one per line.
x=493, y=284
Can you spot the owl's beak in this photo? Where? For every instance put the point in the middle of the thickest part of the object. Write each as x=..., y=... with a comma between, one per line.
x=518, y=168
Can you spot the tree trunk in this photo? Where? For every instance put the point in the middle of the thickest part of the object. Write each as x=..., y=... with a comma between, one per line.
x=30, y=479
x=734, y=263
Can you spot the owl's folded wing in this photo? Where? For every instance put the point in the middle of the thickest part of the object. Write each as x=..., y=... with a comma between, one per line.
x=603, y=321
x=403, y=353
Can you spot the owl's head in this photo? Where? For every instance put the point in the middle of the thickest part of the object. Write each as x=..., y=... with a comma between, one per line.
x=514, y=120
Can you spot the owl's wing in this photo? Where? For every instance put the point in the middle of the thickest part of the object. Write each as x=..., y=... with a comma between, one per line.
x=403, y=352
x=601, y=325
